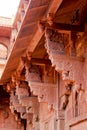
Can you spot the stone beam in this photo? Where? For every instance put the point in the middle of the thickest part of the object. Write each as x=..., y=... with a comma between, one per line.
x=62, y=26
x=38, y=61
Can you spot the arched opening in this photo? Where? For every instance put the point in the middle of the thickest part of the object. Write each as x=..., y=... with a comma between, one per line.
x=3, y=51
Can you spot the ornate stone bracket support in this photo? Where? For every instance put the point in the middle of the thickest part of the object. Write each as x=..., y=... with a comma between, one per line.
x=31, y=104
x=16, y=106
x=22, y=91
x=46, y=93
x=70, y=66
x=32, y=73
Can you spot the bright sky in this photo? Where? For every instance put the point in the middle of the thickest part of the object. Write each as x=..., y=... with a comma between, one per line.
x=8, y=8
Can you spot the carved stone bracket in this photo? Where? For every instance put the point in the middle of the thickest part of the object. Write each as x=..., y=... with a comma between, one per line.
x=70, y=66
x=31, y=104
x=32, y=73
x=16, y=106
x=21, y=101
x=14, y=99
x=15, y=103
x=22, y=90
x=46, y=92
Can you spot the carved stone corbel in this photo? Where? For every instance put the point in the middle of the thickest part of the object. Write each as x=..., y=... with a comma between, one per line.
x=14, y=100
x=31, y=104
x=69, y=66
x=46, y=92
x=22, y=90
x=16, y=106
x=33, y=73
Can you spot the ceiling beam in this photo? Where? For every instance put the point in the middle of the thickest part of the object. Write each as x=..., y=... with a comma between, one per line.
x=68, y=27
x=63, y=26
x=38, y=61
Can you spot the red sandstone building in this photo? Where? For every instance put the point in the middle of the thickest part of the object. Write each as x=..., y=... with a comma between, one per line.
x=43, y=66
